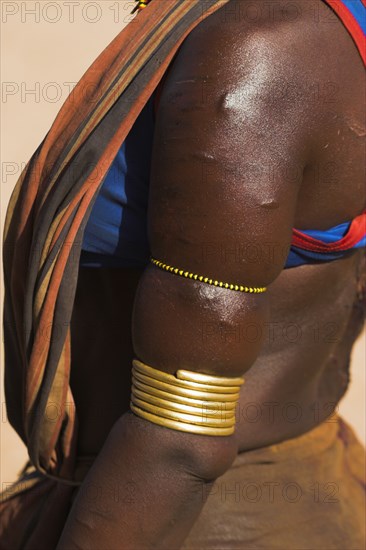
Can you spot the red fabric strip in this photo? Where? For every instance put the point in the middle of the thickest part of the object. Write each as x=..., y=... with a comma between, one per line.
x=351, y=24
x=356, y=232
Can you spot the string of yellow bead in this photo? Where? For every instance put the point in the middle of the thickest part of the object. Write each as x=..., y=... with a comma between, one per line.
x=203, y=279
x=141, y=4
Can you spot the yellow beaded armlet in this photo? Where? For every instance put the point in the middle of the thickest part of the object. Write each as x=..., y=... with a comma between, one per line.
x=203, y=279
x=141, y=4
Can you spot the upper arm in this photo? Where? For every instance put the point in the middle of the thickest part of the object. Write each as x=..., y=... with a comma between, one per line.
x=229, y=152
x=228, y=158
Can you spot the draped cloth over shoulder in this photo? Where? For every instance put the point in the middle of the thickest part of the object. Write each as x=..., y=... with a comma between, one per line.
x=47, y=215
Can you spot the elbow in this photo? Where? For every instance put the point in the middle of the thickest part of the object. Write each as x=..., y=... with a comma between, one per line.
x=200, y=457
x=210, y=457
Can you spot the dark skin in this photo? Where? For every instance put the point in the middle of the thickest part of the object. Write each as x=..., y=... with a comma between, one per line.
x=289, y=98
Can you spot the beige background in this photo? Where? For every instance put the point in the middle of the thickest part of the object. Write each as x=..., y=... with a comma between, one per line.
x=45, y=48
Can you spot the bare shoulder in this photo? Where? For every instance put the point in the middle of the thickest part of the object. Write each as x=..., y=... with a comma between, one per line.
x=279, y=76
x=274, y=47
x=248, y=65
x=239, y=62
x=231, y=142
x=242, y=31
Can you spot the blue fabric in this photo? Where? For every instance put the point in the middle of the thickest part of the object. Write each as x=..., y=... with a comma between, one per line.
x=358, y=11
x=116, y=231
x=331, y=235
x=298, y=256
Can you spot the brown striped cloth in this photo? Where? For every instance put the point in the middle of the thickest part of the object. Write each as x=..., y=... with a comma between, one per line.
x=46, y=218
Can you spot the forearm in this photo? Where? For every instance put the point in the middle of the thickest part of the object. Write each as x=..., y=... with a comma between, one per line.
x=146, y=488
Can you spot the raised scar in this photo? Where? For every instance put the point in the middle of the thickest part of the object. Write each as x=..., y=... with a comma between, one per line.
x=357, y=129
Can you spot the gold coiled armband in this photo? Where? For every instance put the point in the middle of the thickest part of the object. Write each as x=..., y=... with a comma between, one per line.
x=187, y=401
x=207, y=280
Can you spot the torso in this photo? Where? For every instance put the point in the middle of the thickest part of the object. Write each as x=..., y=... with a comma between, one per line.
x=316, y=311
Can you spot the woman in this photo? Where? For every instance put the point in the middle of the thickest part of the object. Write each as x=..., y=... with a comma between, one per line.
x=239, y=138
